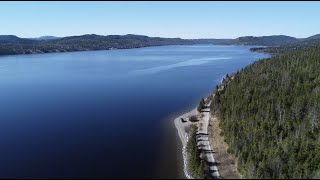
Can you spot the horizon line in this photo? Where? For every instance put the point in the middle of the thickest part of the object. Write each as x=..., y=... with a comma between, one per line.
x=152, y=36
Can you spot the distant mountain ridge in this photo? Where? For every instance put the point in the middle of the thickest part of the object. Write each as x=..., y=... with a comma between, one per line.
x=10, y=44
x=317, y=36
x=45, y=38
x=14, y=39
x=266, y=40
x=290, y=46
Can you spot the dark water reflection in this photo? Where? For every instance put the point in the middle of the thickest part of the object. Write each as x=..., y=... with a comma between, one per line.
x=104, y=113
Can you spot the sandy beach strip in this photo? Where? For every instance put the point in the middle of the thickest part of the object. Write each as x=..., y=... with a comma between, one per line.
x=209, y=140
x=182, y=128
x=202, y=139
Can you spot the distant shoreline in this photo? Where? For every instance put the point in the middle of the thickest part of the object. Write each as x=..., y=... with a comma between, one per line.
x=14, y=45
x=110, y=49
x=80, y=50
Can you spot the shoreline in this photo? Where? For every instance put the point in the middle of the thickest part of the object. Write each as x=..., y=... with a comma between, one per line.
x=203, y=144
x=110, y=49
x=205, y=137
x=183, y=136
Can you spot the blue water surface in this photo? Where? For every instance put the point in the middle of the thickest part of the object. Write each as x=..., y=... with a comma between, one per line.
x=99, y=114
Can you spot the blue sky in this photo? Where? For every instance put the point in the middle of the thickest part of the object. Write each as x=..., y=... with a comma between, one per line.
x=164, y=19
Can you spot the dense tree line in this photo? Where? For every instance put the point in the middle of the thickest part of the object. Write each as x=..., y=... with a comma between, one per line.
x=195, y=164
x=201, y=105
x=10, y=44
x=284, y=48
x=266, y=40
x=270, y=116
x=16, y=45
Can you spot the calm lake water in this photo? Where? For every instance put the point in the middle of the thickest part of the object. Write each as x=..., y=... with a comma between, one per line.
x=102, y=114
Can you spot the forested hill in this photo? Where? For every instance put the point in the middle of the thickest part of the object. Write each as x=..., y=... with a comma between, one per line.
x=266, y=40
x=10, y=44
x=270, y=116
x=292, y=46
x=15, y=45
